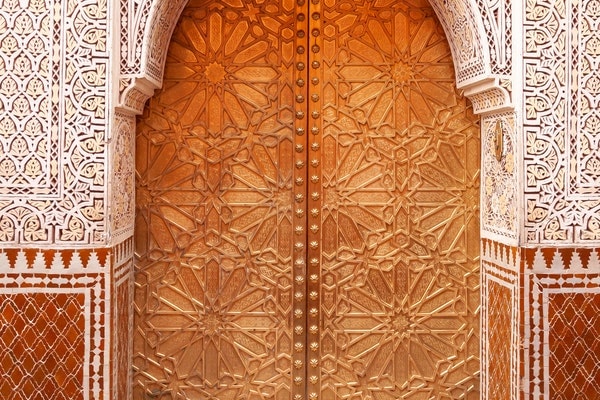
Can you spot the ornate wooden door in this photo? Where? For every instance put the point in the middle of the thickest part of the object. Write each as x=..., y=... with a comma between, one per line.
x=307, y=195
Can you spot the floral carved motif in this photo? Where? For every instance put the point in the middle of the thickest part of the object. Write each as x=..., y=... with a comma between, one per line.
x=562, y=121
x=500, y=185
x=122, y=178
x=53, y=65
x=497, y=20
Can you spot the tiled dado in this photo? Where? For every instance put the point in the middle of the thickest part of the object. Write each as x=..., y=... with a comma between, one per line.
x=499, y=321
x=540, y=322
x=65, y=322
x=561, y=318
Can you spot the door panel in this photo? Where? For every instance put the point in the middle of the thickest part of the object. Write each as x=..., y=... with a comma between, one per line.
x=214, y=223
x=307, y=197
x=399, y=178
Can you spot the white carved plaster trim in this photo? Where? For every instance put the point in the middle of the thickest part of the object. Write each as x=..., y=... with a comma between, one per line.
x=135, y=96
x=488, y=96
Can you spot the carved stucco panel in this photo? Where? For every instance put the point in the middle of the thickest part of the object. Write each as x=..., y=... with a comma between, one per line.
x=561, y=97
x=122, y=178
x=500, y=184
x=54, y=62
x=498, y=24
x=460, y=21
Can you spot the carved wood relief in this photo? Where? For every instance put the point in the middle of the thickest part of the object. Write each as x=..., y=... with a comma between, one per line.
x=307, y=201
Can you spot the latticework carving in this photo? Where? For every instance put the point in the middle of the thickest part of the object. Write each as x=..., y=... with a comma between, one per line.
x=499, y=340
x=500, y=188
x=53, y=65
x=461, y=21
x=561, y=122
x=122, y=319
x=497, y=17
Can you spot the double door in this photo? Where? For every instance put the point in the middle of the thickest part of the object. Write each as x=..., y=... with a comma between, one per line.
x=307, y=208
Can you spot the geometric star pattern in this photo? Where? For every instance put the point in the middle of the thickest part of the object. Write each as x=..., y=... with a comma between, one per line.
x=400, y=252
x=213, y=275
x=395, y=152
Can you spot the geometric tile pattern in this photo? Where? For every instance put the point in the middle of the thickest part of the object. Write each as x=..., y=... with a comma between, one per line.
x=560, y=311
x=53, y=324
x=42, y=345
x=560, y=289
x=499, y=340
x=122, y=337
x=558, y=305
x=499, y=314
x=574, y=344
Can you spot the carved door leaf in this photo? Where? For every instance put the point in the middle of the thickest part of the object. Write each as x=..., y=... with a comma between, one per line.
x=307, y=199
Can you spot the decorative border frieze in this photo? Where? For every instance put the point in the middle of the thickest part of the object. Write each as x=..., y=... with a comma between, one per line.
x=561, y=122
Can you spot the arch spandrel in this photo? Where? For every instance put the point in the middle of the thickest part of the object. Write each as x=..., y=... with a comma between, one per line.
x=462, y=21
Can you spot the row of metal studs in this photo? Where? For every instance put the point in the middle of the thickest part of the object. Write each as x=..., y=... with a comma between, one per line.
x=314, y=204
x=299, y=356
